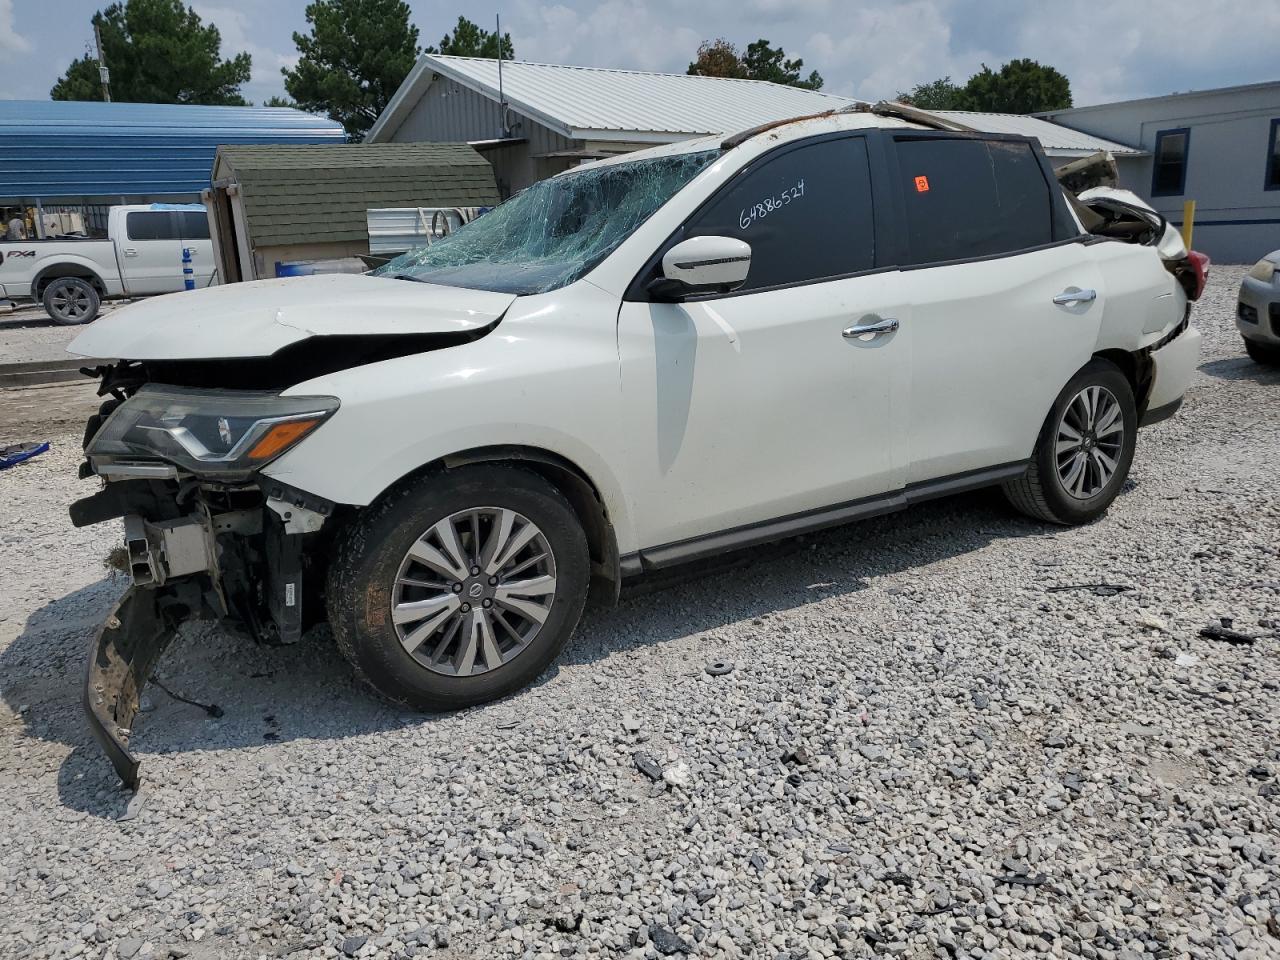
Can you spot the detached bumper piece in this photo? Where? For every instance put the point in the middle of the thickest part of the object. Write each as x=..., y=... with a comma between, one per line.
x=125, y=652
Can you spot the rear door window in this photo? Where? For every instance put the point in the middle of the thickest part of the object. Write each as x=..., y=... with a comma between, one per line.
x=806, y=212
x=151, y=225
x=966, y=198
x=195, y=226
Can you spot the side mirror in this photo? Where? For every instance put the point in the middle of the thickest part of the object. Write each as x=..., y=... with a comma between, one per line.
x=703, y=265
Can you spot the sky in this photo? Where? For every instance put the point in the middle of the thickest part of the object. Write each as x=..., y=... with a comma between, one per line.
x=864, y=48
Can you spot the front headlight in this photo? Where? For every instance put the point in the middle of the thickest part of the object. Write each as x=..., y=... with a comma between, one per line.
x=223, y=433
x=1263, y=270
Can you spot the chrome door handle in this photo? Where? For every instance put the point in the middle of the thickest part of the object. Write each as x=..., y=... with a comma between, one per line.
x=870, y=331
x=1075, y=296
x=130, y=252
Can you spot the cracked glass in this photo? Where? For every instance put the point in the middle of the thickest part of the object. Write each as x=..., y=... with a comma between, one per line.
x=552, y=233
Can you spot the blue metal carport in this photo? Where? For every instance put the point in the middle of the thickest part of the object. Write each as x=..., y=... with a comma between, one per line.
x=61, y=152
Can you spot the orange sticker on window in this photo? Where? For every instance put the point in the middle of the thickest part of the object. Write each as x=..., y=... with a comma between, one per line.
x=922, y=184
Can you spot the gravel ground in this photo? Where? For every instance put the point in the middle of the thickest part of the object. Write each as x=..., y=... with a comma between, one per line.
x=28, y=334
x=923, y=750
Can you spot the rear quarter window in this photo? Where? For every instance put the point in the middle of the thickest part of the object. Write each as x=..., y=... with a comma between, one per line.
x=967, y=198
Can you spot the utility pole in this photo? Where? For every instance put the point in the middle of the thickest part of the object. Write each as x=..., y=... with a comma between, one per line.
x=103, y=72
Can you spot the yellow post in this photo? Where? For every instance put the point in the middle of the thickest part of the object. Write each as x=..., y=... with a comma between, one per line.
x=1188, y=221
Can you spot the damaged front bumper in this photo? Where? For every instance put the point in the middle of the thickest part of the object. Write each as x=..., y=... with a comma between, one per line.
x=192, y=554
x=125, y=652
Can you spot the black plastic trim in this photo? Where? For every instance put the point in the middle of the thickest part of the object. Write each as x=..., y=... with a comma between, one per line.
x=767, y=531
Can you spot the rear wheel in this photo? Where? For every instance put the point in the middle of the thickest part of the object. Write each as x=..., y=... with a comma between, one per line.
x=1262, y=353
x=1084, y=451
x=71, y=301
x=459, y=588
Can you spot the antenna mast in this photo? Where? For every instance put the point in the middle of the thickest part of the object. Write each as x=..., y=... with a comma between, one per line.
x=103, y=72
x=503, y=131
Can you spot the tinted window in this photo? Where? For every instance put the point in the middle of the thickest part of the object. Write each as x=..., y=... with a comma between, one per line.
x=1273, y=157
x=972, y=198
x=195, y=226
x=805, y=212
x=151, y=226
x=1170, y=173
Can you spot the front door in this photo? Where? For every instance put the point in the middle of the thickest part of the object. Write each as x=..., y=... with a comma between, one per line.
x=752, y=406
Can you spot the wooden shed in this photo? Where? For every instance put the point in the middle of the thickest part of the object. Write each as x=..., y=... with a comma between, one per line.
x=290, y=203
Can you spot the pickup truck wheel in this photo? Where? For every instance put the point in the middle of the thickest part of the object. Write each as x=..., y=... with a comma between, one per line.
x=1084, y=451
x=459, y=588
x=70, y=301
x=1261, y=353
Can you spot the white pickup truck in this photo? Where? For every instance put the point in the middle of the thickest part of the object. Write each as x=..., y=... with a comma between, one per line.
x=141, y=256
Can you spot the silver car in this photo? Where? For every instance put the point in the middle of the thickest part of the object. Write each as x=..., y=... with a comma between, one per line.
x=1258, y=312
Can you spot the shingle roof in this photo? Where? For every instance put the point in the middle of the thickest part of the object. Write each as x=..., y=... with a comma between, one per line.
x=318, y=194
x=53, y=148
x=603, y=104
x=1052, y=136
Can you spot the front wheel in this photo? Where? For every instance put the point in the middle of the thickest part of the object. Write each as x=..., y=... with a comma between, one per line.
x=1084, y=451
x=460, y=587
x=1262, y=353
x=71, y=301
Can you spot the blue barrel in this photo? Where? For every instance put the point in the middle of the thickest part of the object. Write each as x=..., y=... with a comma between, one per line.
x=188, y=271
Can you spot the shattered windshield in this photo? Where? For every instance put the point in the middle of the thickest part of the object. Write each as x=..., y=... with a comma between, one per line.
x=555, y=231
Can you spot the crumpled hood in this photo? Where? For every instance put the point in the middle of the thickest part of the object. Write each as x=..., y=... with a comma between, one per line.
x=258, y=318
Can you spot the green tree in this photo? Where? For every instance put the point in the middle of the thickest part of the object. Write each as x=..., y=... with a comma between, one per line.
x=1020, y=86
x=470, y=40
x=761, y=61
x=279, y=102
x=765, y=62
x=158, y=51
x=935, y=95
x=354, y=59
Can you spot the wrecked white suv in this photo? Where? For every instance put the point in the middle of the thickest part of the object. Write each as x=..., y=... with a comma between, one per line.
x=632, y=365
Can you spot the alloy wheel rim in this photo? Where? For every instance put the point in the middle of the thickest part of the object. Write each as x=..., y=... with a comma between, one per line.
x=1089, y=442
x=473, y=591
x=70, y=302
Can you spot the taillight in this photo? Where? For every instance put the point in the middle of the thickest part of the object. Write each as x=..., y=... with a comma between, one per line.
x=1200, y=265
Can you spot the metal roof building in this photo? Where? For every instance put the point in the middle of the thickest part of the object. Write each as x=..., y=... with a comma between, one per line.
x=64, y=152
x=547, y=117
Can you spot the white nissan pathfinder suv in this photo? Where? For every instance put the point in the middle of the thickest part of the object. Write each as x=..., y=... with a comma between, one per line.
x=634, y=364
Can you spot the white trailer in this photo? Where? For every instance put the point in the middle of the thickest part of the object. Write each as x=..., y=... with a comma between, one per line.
x=141, y=256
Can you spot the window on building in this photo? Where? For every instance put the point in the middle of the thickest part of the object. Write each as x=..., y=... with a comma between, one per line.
x=195, y=226
x=968, y=198
x=1169, y=176
x=1273, y=157
x=151, y=225
x=806, y=213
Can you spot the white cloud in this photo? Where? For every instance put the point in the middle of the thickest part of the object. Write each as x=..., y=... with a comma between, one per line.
x=237, y=34
x=609, y=34
x=11, y=41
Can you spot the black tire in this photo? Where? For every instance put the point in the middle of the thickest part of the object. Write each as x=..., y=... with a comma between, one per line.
x=1041, y=492
x=71, y=301
x=1262, y=353
x=367, y=562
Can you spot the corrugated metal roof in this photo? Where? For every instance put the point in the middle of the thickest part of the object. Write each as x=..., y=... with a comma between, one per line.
x=63, y=149
x=1052, y=136
x=318, y=194
x=605, y=104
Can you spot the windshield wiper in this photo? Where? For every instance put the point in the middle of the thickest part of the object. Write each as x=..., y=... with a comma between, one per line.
x=405, y=276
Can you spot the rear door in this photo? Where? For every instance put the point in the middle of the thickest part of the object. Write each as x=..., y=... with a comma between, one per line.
x=151, y=252
x=987, y=247
x=194, y=229
x=751, y=406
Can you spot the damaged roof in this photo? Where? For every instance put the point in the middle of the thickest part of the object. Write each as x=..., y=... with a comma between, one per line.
x=1054, y=138
x=594, y=103
x=320, y=193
